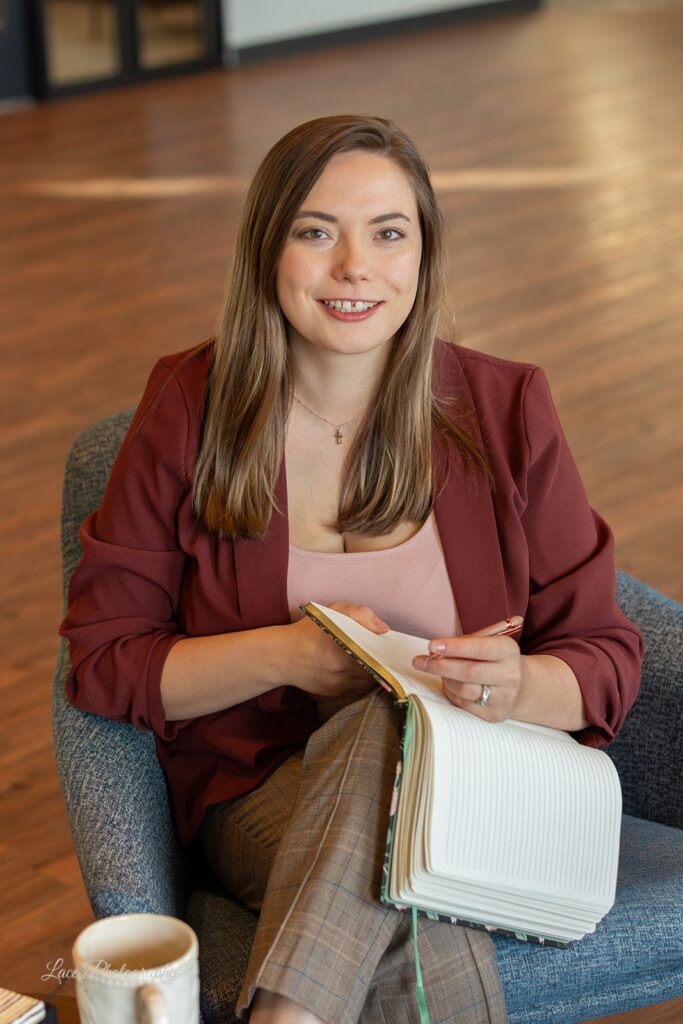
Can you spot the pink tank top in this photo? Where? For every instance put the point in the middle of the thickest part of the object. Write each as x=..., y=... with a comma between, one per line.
x=406, y=585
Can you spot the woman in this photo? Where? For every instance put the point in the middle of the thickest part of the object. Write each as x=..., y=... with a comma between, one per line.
x=327, y=447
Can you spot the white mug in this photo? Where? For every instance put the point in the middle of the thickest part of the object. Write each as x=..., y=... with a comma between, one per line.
x=137, y=969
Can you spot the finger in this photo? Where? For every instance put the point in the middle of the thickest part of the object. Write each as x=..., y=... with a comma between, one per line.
x=362, y=614
x=497, y=710
x=466, y=692
x=357, y=670
x=349, y=684
x=345, y=662
x=490, y=713
x=471, y=647
x=358, y=676
x=476, y=673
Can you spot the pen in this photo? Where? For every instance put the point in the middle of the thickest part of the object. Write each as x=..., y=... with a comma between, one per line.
x=509, y=627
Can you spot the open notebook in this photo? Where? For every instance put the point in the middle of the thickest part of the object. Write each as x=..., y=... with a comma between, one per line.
x=505, y=826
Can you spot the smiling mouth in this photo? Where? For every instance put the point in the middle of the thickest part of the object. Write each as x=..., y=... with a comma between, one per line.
x=349, y=305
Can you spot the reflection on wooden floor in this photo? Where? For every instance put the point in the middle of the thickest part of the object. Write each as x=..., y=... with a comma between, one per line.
x=554, y=142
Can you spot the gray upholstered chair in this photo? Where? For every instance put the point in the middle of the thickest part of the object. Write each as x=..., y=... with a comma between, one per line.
x=118, y=808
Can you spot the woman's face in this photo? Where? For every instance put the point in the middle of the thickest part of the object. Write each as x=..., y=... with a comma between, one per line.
x=348, y=273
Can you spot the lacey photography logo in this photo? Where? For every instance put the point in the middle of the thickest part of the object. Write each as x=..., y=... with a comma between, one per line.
x=55, y=970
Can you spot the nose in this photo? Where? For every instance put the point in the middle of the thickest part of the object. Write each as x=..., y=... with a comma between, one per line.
x=353, y=263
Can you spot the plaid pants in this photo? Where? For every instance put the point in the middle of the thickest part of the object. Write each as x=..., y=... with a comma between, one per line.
x=306, y=850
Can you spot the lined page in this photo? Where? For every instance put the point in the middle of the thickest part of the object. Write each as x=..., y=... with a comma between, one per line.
x=552, y=808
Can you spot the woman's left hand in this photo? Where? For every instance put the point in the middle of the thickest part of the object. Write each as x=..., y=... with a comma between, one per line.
x=467, y=664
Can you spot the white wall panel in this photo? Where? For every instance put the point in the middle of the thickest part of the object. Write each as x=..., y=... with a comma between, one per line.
x=256, y=22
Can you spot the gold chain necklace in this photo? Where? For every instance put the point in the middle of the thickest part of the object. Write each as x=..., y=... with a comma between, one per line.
x=338, y=431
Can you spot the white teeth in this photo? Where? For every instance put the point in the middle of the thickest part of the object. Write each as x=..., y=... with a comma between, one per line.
x=345, y=306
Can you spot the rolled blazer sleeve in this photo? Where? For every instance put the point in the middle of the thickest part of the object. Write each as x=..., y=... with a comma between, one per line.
x=124, y=595
x=572, y=611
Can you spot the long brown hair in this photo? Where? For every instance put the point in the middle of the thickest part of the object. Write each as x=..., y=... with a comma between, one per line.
x=388, y=474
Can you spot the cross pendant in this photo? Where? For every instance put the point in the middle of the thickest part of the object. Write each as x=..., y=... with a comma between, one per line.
x=339, y=435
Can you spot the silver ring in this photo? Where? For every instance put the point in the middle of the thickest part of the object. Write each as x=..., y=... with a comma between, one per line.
x=485, y=697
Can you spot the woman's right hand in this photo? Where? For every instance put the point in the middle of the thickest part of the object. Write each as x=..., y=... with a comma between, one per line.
x=205, y=674
x=311, y=660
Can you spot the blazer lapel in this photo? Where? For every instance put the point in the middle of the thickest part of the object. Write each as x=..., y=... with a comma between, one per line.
x=261, y=568
x=465, y=516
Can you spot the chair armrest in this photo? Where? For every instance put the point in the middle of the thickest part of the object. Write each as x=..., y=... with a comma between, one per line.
x=110, y=776
x=113, y=786
x=647, y=750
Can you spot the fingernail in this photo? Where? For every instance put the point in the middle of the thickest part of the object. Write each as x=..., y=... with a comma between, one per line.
x=437, y=647
x=421, y=663
x=381, y=623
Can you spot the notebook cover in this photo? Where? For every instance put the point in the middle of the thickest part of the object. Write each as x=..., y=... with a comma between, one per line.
x=19, y=1009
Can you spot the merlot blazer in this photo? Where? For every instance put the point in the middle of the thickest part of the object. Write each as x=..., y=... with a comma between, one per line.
x=150, y=574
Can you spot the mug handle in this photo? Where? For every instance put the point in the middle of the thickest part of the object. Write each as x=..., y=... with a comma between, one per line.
x=152, y=1006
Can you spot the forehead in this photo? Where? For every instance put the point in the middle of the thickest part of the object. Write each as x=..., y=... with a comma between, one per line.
x=364, y=179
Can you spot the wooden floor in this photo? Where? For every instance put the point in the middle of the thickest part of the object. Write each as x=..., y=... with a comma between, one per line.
x=554, y=141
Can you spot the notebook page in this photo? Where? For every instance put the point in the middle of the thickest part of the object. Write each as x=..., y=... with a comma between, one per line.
x=552, y=807
x=395, y=650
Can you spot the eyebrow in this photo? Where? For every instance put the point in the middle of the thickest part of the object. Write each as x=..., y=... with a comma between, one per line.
x=318, y=215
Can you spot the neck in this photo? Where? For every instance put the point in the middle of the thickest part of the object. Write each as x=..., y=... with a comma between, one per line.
x=337, y=385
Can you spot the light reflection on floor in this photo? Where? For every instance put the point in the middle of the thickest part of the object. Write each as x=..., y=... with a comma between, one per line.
x=477, y=179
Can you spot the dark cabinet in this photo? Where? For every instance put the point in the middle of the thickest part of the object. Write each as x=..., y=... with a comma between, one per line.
x=78, y=45
x=16, y=78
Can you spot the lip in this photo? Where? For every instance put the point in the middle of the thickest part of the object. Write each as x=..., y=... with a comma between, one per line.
x=337, y=314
